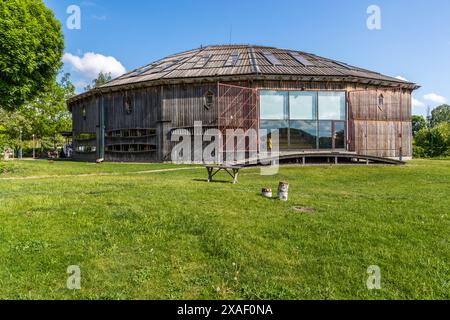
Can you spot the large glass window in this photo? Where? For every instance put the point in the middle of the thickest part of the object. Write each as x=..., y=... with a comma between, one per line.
x=274, y=105
x=331, y=106
x=303, y=134
x=305, y=119
x=303, y=105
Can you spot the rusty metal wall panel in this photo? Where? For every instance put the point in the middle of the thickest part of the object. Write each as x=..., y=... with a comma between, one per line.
x=237, y=109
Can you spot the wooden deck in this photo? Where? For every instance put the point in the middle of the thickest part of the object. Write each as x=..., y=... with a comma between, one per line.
x=318, y=157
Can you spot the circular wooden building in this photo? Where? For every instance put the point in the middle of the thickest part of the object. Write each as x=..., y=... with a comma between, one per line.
x=318, y=105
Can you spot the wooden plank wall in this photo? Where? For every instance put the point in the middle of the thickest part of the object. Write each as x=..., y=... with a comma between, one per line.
x=85, y=126
x=299, y=85
x=183, y=105
x=90, y=124
x=145, y=115
x=381, y=130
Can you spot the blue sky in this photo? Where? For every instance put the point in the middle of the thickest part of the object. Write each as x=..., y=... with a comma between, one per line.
x=414, y=40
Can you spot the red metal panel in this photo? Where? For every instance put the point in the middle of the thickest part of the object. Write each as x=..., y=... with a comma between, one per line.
x=237, y=108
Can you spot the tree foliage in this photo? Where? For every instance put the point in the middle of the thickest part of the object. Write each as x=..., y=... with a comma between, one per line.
x=31, y=47
x=433, y=142
x=418, y=123
x=99, y=81
x=432, y=139
x=440, y=115
x=46, y=116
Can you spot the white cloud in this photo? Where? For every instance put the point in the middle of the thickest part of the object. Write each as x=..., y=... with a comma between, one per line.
x=417, y=103
x=433, y=97
x=91, y=64
x=401, y=78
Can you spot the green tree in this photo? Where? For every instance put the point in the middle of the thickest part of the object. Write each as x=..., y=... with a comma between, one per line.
x=31, y=47
x=11, y=122
x=99, y=81
x=440, y=114
x=48, y=114
x=418, y=123
x=45, y=117
x=433, y=142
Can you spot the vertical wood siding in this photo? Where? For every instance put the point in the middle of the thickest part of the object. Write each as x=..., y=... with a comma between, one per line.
x=144, y=115
x=381, y=131
x=88, y=125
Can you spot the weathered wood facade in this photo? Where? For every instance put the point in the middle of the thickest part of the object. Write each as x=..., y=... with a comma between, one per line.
x=134, y=121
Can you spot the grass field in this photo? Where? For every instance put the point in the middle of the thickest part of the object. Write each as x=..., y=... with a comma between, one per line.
x=138, y=234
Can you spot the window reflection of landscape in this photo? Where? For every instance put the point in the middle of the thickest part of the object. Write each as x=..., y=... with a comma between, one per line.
x=306, y=120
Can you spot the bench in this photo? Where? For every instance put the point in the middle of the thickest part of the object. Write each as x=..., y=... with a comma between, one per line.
x=233, y=171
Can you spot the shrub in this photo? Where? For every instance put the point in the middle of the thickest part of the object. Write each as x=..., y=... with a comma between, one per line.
x=434, y=142
x=419, y=152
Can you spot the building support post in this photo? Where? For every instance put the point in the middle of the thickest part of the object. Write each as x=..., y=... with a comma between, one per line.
x=34, y=146
x=20, y=153
x=101, y=129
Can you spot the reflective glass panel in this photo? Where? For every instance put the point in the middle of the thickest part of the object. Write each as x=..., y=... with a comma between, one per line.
x=282, y=126
x=303, y=134
x=339, y=135
x=274, y=105
x=303, y=105
x=325, y=135
x=331, y=105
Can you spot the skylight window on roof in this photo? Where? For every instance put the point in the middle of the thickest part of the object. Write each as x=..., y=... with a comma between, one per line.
x=155, y=68
x=272, y=59
x=301, y=59
x=170, y=64
x=346, y=66
x=144, y=69
x=203, y=61
x=232, y=60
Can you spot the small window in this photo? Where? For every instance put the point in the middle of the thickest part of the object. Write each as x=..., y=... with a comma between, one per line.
x=85, y=136
x=380, y=102
x=131, y=148
x=128, y=105
x=85, y=149
x=84, y=112
x=208, y=100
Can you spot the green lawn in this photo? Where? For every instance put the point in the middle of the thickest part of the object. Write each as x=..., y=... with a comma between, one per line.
x=171, y=235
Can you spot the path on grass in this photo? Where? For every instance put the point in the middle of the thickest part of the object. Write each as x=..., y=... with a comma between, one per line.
x=98, y=174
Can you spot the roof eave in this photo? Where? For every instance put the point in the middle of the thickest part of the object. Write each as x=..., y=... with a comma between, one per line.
x=369, y=81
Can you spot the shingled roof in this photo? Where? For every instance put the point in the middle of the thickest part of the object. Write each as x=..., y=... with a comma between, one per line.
x=225, y=62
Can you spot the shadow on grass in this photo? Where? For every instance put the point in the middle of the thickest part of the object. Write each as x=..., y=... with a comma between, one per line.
x=265, y=198
x=214, y=181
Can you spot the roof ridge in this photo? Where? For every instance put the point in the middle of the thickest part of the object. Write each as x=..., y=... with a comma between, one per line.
x=253, y=60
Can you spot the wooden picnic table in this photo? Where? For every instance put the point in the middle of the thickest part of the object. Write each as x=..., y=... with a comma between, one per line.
x=233, y=171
